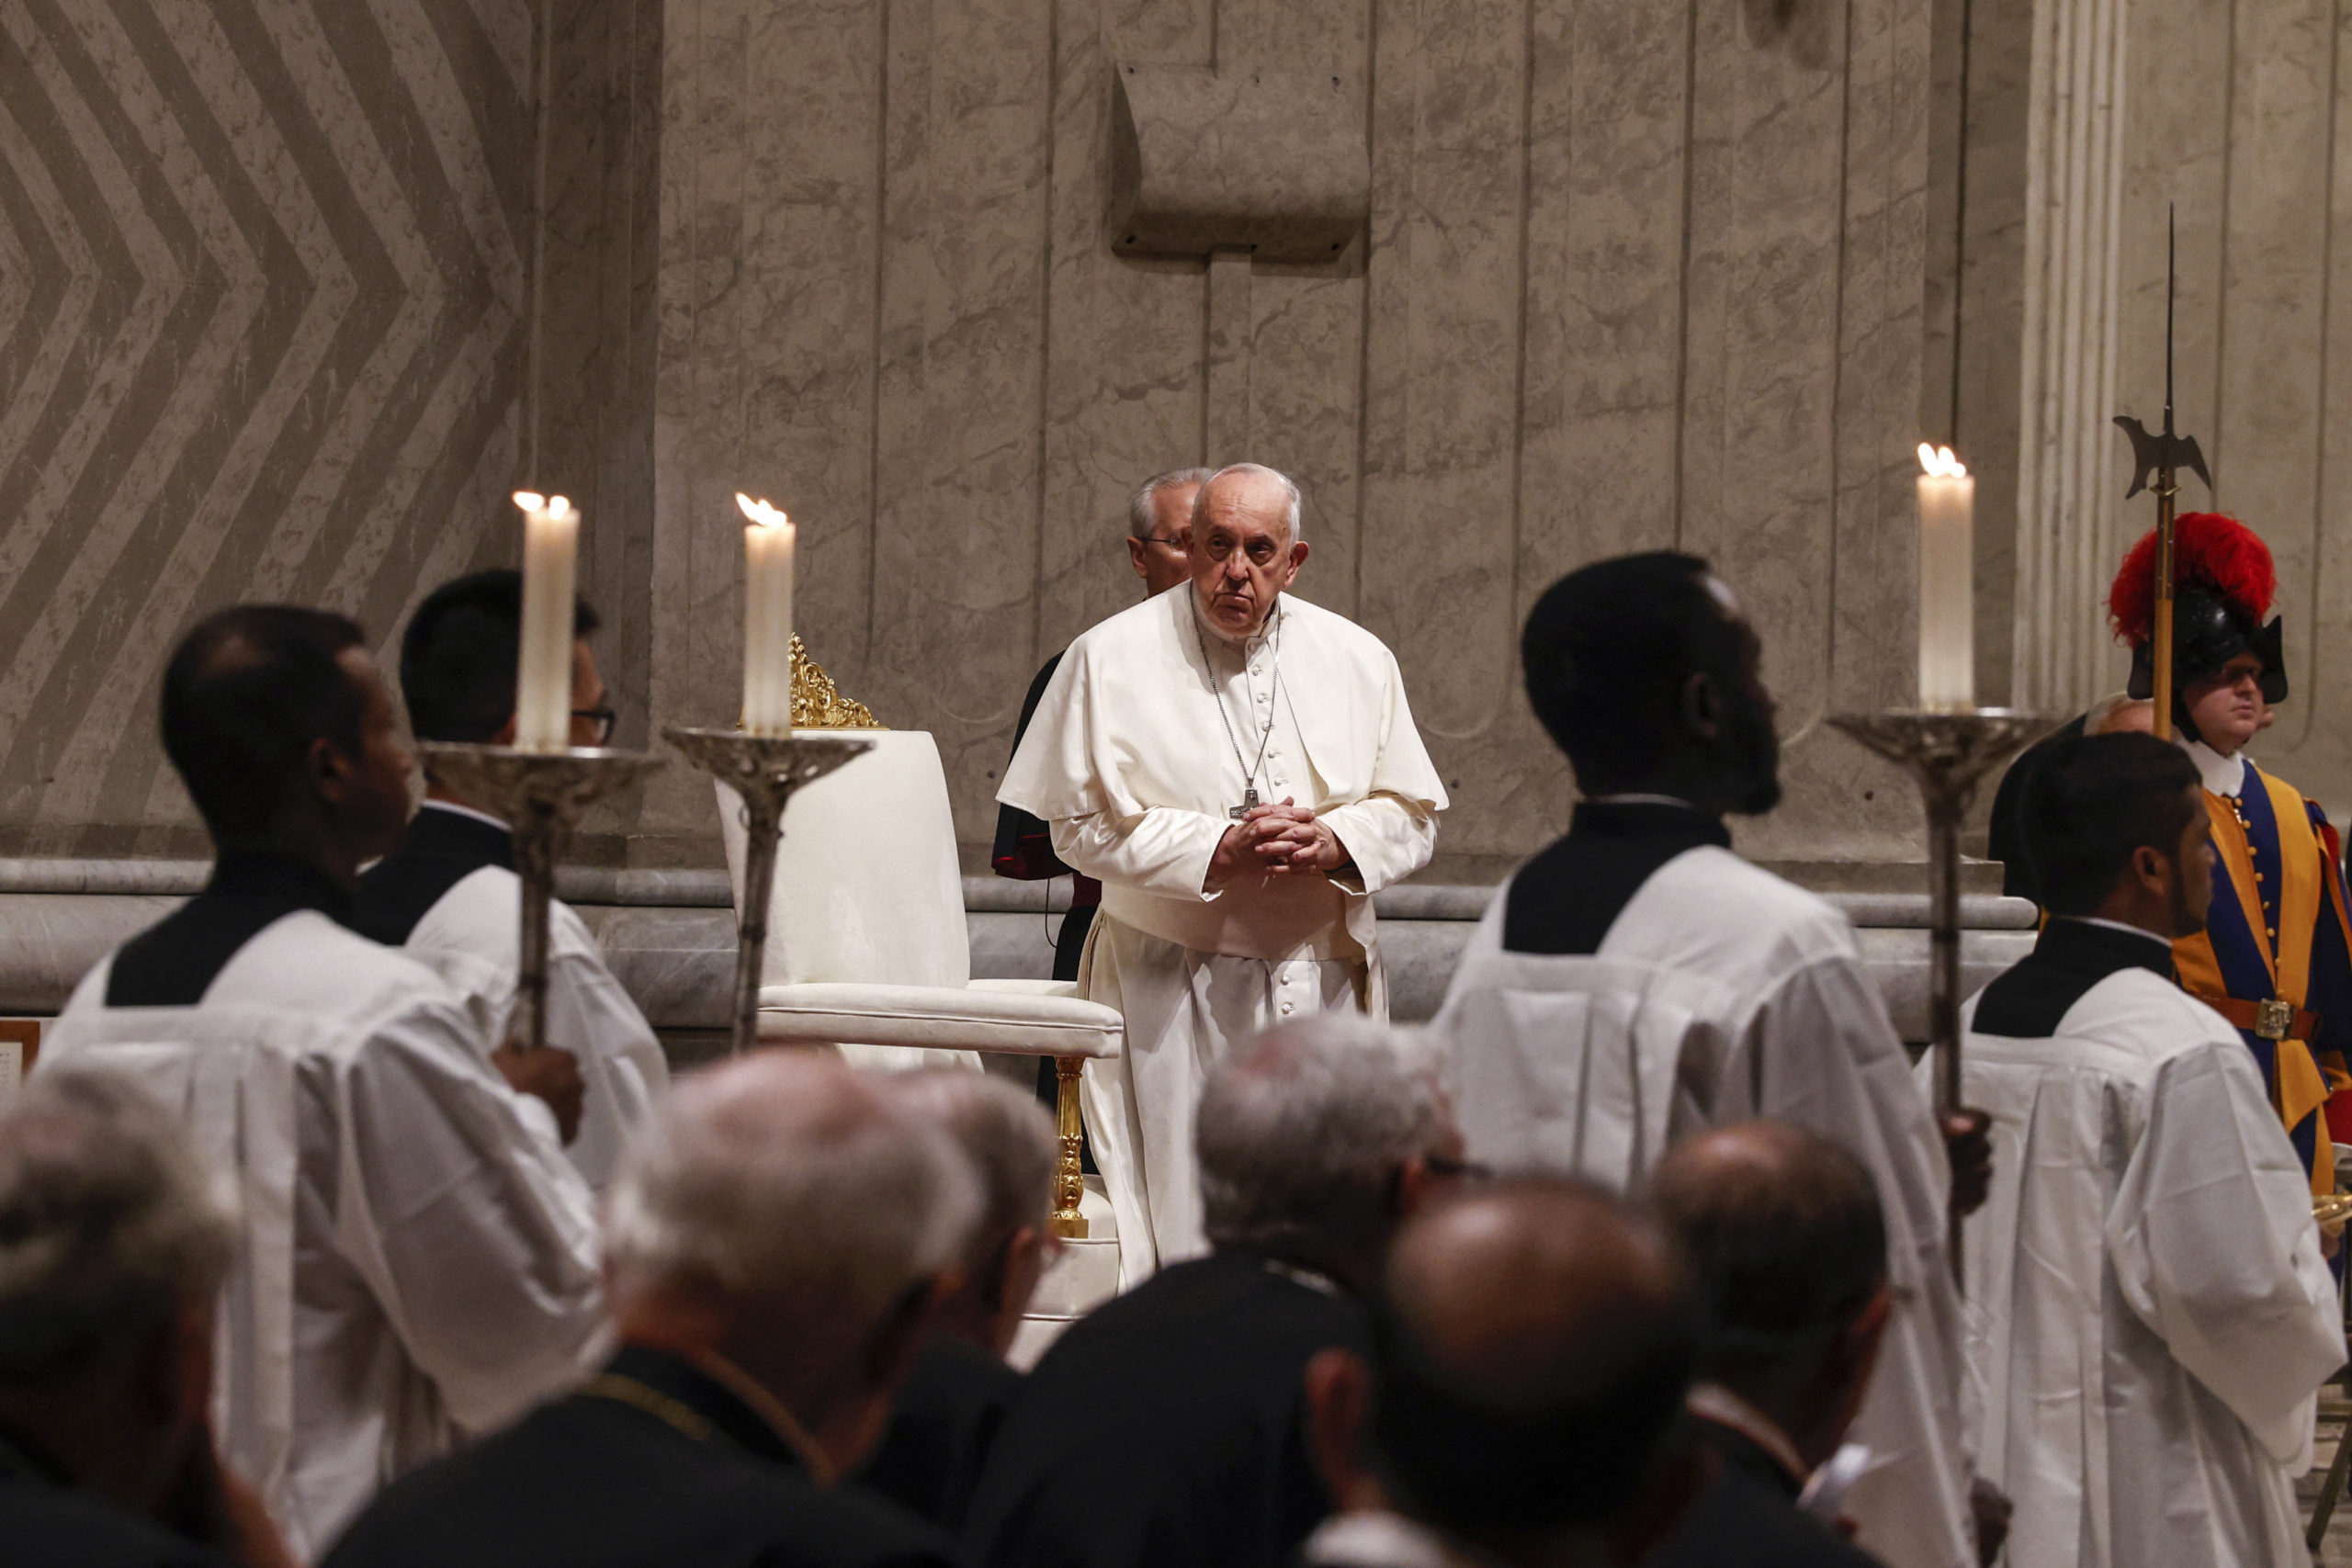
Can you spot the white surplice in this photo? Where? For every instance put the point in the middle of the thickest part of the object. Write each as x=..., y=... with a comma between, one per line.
x=1131, y=758
x=472, y=937
x=1722, y=993
x=419, y=1259
x=2150, y=1315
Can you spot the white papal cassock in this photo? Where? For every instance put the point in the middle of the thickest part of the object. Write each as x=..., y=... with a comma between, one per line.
x=451, y=897
x=2150, y=1315
x=1721, y=993
x=418, y=1259
x=1130, y=760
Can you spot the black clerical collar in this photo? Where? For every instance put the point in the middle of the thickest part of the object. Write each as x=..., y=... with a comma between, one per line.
x=445, y=845
x=2071, y=956
x=1565, y=900
x=681, y=1395
x=174, y=962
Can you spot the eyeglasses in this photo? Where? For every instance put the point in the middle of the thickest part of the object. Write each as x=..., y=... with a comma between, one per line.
x=603, y=718
x=1177, y=545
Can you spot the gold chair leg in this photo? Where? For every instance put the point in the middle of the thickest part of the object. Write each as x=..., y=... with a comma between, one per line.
x=1069, y=1176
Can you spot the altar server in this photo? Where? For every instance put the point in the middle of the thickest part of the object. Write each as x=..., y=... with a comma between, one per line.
x=1240, y=770
x=1637, y=981
x=417, y=1258
x=2273, y=957
x=449, y=893
x=2154, y=1316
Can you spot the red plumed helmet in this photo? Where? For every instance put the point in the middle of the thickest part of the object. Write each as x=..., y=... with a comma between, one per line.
x=2212, y=551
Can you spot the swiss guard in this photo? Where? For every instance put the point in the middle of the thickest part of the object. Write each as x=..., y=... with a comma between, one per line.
x=2273, y=959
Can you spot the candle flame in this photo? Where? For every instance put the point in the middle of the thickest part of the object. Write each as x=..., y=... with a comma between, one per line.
x=761, y=513
x=1939, y=463
x=553, y=505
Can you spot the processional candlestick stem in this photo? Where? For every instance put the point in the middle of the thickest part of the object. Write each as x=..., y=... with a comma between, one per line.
x=766, y=771
x=542, y=795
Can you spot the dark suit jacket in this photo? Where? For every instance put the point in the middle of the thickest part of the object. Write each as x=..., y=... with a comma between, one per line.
x=682, y=1474
x=1163, y=1430
x=1747, y=1516
x=941, y=1427
x=44, y=1523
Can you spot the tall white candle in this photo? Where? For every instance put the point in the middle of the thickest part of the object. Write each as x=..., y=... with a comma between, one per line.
x=543, y=678
x=768, y=539
x=1947, y=582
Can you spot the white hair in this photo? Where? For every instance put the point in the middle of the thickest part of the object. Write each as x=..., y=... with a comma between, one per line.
x=1005, y=1133
x=1301, y=1136
x=107, y=1222
x=1293, y=504
x=789, y=1177
x=1143, y=513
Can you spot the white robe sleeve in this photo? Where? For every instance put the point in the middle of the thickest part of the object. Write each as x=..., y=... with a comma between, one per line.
x=1389, y=837
x=2214, y=1249
x=621, y=1064
x=1823, y=1053
x=1163, y=849
x=474, y=1233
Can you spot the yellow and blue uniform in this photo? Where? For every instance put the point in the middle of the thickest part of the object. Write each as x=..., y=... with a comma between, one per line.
x=2275, y=958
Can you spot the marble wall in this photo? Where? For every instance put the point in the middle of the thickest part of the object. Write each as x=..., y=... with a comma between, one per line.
x=1638, y=273
x=261, y=282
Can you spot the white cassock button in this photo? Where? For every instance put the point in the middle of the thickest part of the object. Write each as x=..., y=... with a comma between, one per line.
x=1285, y=1007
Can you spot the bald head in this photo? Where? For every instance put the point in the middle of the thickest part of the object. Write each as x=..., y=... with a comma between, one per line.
x=1784, y=1235
x=1532, y=1344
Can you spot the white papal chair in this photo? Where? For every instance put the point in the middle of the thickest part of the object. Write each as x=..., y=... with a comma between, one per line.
x=868, y=954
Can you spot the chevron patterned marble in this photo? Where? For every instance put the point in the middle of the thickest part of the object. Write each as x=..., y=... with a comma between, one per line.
x=262, y=273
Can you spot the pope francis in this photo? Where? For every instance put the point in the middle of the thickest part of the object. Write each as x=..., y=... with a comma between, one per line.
x=1240, y=770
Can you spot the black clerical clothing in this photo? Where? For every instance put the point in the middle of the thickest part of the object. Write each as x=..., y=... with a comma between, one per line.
x=46, y=1523
x=1747, y=1516
x=1024, y=852
x=1164, y=1430
x=1566, y=899
x=652, y=1465
x=940, y=1426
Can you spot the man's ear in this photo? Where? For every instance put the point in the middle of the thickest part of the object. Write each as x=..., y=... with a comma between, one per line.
x=329, y=771
x=2153, y=871
x=1339, y=1400
x=1298, y=555
x=1702, y=705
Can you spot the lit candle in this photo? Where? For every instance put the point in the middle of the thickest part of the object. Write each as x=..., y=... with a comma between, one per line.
x=1947, y=582
x=543, y=680
x=767, y=617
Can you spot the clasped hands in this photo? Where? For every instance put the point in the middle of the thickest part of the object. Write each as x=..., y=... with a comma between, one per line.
x=1277, y=840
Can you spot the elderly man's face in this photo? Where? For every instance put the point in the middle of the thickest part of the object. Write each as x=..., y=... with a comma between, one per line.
x=1243, y=555
x=1161, y=559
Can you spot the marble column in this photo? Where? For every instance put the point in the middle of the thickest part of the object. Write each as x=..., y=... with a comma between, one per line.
x=2069, y=522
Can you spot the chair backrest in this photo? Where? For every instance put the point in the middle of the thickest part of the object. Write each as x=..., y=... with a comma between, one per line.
x=868, y=886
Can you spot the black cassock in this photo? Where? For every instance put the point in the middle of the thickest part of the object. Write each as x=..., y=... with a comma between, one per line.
x=1164, y=1430
x=655, y=1466
x=942, y=1426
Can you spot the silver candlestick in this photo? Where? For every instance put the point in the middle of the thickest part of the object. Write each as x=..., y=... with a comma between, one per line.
x=542, y=795
x=765, y=770
x=1947, y=754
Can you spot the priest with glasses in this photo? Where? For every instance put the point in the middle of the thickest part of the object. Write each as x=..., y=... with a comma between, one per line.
x=1240, y=770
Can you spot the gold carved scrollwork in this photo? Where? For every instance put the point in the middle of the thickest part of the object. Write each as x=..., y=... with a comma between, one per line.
x=816, y=703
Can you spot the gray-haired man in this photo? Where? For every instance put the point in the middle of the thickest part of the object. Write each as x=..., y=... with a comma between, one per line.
x=778, y=1243
x=113, y=1244
x=1165, y=1429
x=954, y=1401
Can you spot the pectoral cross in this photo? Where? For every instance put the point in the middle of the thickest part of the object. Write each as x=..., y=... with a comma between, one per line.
x=1249, y=803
